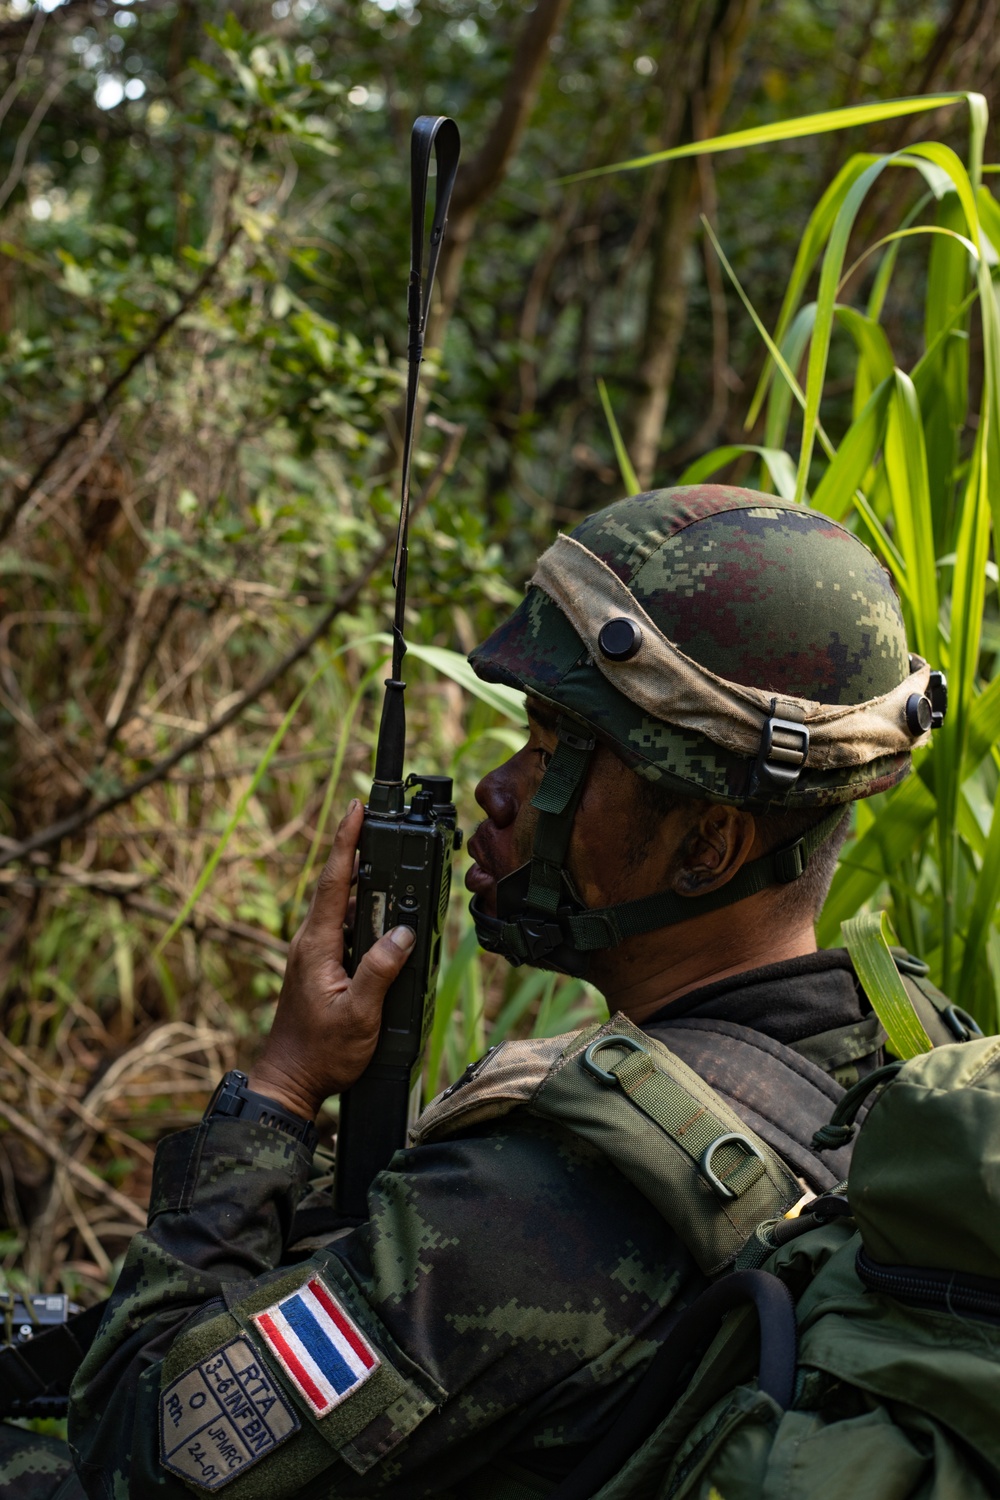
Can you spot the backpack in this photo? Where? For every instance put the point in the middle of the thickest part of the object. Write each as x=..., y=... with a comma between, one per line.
x=895, y=1391
x=849, y=1346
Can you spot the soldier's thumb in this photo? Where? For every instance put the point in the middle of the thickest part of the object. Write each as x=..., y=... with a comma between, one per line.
x=379, y=967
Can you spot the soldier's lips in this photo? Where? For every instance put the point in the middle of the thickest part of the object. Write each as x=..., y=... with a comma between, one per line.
x=478, y=880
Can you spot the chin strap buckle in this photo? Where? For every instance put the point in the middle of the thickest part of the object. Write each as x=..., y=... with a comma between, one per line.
x=784, y=745
x=538, y=937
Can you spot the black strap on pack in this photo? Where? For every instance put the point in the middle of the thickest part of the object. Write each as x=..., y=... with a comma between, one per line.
x=35, y=1377
x=673, y=1365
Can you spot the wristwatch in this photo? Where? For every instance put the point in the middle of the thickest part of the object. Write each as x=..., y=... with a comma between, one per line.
x=234, y=1100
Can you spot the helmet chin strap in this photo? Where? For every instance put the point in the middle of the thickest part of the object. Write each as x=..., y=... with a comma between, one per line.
x=540, y=918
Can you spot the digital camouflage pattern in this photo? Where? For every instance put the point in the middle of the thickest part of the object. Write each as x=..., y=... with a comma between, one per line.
x=758, y=590
x=512, y=1283
x=35, y=1466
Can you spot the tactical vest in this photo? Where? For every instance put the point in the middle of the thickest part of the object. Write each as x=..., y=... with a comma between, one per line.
x=713, y=1122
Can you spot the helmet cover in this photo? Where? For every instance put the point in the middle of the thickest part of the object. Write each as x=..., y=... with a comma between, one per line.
x=757, y=590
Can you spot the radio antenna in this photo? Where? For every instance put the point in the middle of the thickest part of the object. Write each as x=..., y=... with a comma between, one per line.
x=439, y=134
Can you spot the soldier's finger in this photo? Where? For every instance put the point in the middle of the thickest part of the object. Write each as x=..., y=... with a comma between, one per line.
x=375, y=973
x=329, y=904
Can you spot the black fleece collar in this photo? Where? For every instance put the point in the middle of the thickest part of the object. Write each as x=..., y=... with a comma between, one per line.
x=788, y=1001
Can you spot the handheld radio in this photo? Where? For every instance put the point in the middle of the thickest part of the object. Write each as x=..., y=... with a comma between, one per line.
x=405, y=851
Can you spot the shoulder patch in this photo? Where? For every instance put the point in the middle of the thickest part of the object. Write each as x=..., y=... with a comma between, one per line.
x=221, y=1416
x=319, y=1347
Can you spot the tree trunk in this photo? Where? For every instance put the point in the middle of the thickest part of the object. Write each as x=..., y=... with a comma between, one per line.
x=479, y=178
x=712, y=43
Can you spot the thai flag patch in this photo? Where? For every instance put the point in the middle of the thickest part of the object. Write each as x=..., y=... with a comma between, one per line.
x=320, y=1349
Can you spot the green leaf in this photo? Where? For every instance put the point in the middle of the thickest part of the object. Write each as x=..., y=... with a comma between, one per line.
x=451, y=664
x=866, y=940
x=780, y=466
x=875, y=361
x=906, y=469
x=813, y=238
x=628, y=474
x=835, y=492
x=786, y=130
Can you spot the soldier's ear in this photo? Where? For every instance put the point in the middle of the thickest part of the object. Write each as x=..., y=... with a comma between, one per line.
x=716, y=845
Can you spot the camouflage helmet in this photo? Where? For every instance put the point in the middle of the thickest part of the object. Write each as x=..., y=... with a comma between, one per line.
x=689, y=626
x=726, y=644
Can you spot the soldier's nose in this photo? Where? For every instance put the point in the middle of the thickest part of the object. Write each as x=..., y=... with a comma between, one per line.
x=497, y=796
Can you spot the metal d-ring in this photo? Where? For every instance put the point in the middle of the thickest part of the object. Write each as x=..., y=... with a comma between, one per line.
x=705, y=1164
x=608, y=1041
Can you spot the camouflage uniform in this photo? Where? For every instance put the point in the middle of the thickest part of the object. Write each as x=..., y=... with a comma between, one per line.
x=511, y=1283
x=34, y=1466
x=510, y=1286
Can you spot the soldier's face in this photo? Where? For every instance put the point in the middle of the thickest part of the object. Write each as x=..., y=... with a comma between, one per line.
x=610, y=859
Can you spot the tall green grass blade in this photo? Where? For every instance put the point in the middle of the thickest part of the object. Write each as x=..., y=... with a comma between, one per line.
x=527, y=991
x=813, y=239
x=887, y=265
x=332, y=783
x=625, y=468
x=904, y=234
x=452, y=664
x=826, y=299
x=866, y=940
x=451, y=977
x=793, y=346
x=776, y=354
x=906, y=469
x=201, y=884
x=900, y=826
x=968, y=598
x=875, y=361
x=784, y=130
x=779, y=465
x=857, y=452
x=989, y=218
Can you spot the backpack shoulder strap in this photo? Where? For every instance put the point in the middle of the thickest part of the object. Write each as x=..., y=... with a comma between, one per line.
x=942, y=1020
x=781, y=1095
x=665, y=1129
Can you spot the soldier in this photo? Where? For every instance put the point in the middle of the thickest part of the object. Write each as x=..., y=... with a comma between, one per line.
x=35, y=1466
x=480, y=1332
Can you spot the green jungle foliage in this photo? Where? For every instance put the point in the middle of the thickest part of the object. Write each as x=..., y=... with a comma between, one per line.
x=203, y=252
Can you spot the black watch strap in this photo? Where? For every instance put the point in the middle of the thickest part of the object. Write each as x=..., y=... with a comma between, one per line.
x=235, y=1100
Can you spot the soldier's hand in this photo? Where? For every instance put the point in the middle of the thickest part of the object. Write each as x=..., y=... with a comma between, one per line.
x=327, y=1022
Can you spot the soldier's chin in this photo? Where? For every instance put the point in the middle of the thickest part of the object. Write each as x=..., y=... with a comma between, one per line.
x=481, y=883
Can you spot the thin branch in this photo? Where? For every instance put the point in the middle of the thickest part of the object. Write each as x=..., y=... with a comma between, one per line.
x=83, y=1175
x=92, y=408
x=31, y=42
x=66, y=827
x=27, y=135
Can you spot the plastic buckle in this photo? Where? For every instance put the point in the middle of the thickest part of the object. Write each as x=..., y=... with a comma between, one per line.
x=575, y=741
x=937, y=692
x=784, y=745
x=705, y=1164
x=790, y=862
x=539, y=936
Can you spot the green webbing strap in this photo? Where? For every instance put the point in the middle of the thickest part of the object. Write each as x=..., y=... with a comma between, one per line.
x=556, y=801
x=605, y=927
x=734, y=1163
